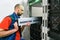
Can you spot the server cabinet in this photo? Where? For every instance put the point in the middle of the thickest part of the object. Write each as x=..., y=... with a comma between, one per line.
x=35, y=30
x=54, y=19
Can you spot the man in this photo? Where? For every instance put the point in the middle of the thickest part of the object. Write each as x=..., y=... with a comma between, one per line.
x=9, y=28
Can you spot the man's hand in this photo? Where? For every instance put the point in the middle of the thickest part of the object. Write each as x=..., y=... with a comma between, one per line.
x=16, y=26
x=4, y=33
x=28, y=24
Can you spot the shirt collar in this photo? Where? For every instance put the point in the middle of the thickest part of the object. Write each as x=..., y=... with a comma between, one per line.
x=16, y=15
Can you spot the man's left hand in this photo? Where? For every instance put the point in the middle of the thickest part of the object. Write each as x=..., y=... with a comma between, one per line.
x=28, y=24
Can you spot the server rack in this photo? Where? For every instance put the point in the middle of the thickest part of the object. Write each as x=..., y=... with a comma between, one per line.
x=35, y=30
x=54, y=20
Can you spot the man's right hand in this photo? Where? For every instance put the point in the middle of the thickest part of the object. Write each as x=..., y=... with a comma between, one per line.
x=16, y=26
x=4, y=33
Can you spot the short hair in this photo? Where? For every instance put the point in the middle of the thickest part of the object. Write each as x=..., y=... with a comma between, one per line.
x=17, y=5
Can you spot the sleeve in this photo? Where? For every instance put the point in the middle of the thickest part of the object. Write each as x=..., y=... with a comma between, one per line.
x=5, y=23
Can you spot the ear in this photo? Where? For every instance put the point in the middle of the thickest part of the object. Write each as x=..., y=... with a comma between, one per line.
x=18, y=10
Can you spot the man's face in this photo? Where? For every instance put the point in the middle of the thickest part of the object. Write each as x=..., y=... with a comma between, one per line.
x=20, y=11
